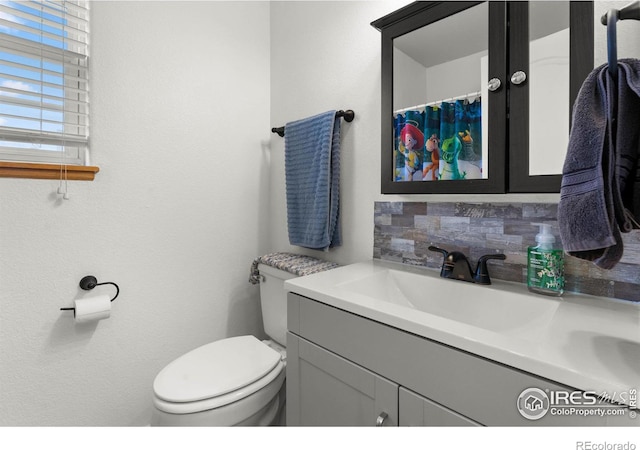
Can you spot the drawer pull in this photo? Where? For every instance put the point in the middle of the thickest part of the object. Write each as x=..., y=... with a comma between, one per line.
x=381, y=418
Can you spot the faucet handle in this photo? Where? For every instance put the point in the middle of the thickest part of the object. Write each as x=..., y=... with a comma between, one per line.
x=444, y=270
x=482, y=271
x=433, y=248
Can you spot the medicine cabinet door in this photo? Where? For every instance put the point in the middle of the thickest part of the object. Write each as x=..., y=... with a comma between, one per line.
x=550, y=56
x=444, y=98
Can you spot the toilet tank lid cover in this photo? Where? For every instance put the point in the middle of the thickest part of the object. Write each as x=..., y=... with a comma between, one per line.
x=215, y=369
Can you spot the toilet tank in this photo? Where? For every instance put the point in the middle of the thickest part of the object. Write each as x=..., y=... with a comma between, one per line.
x=273, y=300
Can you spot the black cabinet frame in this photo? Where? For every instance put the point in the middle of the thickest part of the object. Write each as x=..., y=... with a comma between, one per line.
x=508, y=113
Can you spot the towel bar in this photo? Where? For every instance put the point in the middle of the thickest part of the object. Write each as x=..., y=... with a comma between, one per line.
x=348, y=115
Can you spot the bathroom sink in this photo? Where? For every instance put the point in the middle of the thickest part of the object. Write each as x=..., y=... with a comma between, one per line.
x=586, y=342
x=500, y=310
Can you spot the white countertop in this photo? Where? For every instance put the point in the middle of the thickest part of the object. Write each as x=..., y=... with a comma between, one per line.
x=585, y=342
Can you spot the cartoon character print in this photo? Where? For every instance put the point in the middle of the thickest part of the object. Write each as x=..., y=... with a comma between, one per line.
x=433, y=147
x=465, y=137
x=450, y=150
x=467, y=153
x=412, y=140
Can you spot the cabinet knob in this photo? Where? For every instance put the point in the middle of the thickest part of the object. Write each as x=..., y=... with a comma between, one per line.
x=518, y=77
x=494, y=84
x=381, y=419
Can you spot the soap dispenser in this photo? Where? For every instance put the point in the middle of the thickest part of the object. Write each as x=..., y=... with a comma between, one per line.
x=545, y=264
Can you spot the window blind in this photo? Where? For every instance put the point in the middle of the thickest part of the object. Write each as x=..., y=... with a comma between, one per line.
x=44, y=92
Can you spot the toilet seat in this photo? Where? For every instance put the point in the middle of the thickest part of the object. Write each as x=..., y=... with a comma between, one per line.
x=217, y=374
x=254, y=410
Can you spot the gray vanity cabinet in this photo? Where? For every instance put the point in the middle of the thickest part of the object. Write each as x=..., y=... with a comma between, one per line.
x=327, y=390
x=345, y=369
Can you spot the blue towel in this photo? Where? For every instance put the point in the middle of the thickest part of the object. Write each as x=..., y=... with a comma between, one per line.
x=312, y=174
x=600, y=182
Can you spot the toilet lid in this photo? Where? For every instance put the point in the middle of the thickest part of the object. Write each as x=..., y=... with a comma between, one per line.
x=215, y=369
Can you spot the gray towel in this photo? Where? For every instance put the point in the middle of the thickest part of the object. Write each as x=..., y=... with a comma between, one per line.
x=312, y=175
x=600, y=182
x=300, y=265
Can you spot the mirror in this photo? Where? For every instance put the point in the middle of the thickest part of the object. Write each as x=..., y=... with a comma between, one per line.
x=549, y=95
x=438, y=99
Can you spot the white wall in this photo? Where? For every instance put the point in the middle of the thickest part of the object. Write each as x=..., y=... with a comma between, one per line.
x=326, y=55
x=409, y=81
x=180, y=119
x=454, y=78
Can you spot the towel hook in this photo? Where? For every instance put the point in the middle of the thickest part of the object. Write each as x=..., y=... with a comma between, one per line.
x=89, y=282
x=631, y=11
x=612, y=45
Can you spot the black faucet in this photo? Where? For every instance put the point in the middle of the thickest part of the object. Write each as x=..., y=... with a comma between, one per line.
x=457, y=267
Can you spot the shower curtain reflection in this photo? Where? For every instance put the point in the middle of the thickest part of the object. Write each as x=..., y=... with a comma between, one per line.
x=439, y=142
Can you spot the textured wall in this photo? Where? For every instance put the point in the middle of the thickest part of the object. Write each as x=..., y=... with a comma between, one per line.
x=174, y=216
x=404, y=230
x=326, y=55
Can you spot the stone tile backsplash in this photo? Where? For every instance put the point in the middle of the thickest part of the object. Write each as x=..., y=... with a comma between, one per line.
x=404, y=230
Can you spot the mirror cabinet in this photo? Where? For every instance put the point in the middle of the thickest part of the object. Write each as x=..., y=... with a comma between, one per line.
x=477, y=96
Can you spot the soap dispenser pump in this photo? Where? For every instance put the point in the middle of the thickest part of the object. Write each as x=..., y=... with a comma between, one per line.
x=545, y=264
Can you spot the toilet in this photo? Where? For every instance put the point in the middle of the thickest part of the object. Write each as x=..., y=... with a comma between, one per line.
x=231, y=382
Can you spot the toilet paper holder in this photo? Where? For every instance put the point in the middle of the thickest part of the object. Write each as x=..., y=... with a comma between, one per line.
x=89, y=282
